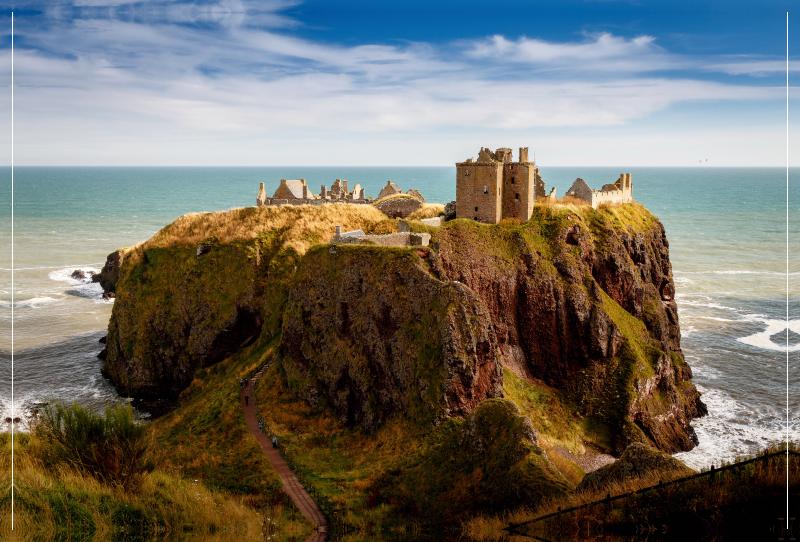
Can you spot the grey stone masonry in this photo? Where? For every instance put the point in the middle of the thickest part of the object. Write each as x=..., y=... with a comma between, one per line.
x=400, y=239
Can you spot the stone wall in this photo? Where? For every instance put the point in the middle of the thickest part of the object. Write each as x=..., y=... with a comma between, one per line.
x=479, y=191
x=398, y=207
x=519, y=191
x=401, y=239
x=277, y=201
x=619, y=192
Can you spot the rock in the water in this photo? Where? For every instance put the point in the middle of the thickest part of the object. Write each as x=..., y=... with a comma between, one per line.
x=638, y=460
x=78, y=275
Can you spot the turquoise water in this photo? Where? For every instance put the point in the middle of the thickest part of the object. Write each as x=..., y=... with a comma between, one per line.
x=726, y=227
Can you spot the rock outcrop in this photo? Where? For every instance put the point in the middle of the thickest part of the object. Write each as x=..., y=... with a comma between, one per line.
x=586, y=304
x=176, y=311
x=107, y=277
x=375, y=332
x=398, y=206
x=637, y=461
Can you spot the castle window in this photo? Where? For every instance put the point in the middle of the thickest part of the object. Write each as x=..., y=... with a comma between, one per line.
x=512, y=180
x=466, y=173
x=476, y=209
x=485, y=189
x=516, y=196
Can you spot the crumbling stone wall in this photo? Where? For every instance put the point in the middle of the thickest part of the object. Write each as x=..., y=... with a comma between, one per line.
x=400, y=239
x=619, y=192
x=398, y=207
x=391, y=189
x=296, y=192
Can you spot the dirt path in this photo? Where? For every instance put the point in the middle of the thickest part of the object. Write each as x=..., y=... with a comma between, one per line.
x=291, y=485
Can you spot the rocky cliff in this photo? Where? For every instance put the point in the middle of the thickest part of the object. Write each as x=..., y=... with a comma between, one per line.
x=375, y=332
x=585, y=302
x=581, y=299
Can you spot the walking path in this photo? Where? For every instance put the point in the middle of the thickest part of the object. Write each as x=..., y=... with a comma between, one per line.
x=291, y=485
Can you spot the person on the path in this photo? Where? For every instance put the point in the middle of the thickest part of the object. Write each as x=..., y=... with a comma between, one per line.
x=274, y=443
x=246, y=382
x=246, y=400
x=241, y=382
x=260, y=425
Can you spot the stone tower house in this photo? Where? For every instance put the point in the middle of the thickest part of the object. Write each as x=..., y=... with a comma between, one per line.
x=494, y=187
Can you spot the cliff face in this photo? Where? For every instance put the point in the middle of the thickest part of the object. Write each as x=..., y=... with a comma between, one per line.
x=176, y=311
x=206, y=285
x=556, y=289
x=373, y=331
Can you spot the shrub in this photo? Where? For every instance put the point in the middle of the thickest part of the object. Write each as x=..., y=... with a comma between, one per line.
x=112, y=447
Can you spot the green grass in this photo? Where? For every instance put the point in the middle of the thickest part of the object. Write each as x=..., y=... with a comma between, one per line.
x=114, y=448
x=55, y=499
x=207, y=439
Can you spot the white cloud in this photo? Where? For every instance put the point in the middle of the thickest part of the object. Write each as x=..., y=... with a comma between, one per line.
x=755, y=67
x=110, y=83
x=601, y=52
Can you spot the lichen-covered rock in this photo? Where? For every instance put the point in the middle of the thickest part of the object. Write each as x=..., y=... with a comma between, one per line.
x=375, y=332
x=638, y=460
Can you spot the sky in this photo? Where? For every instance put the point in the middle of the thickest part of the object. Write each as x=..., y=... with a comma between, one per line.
x=413, y=83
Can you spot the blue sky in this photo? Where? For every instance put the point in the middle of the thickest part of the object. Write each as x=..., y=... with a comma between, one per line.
x=330, y=82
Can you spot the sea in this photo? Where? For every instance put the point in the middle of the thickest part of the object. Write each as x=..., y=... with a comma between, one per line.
x=727, y=229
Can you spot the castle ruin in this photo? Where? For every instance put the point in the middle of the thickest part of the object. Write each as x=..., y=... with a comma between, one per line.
x=619, y=192
x=494, y=187
x=297, y=192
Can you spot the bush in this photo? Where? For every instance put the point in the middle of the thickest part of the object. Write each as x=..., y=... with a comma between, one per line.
x=112, y=447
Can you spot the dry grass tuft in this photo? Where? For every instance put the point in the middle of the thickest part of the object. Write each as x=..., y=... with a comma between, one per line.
x=428, y=210
x=300, y=226
x=393, y=196
x=566, y=201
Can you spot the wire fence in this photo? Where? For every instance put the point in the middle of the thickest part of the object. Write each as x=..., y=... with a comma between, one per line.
x=712, y=472
x=337, y=526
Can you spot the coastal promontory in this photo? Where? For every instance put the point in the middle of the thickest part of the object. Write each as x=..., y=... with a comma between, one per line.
x=577, y=303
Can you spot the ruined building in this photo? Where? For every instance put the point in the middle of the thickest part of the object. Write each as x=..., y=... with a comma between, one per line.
x=391, y=201
x=297, y=192
x=619, y=192
x=494, y=187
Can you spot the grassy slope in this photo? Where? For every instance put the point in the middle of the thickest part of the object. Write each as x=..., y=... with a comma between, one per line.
x=67, y=504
